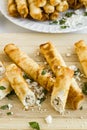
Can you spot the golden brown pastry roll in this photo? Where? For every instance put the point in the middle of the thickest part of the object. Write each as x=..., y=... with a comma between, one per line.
x=55, y=60
x=63, y=6
x=81, y=50
x=55, y=2
x=48, y=8
x=5, y=87
x=54, y=15
x=61, y=89
x=35, y=12
x=40, y=3
x=29, y=66
x=19, y=85
x=12, y=8
x=22, y=7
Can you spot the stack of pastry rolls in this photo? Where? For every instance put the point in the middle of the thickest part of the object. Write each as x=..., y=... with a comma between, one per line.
x=37, y=9
x=56, y=62
x=12, y=79
x=63, y=89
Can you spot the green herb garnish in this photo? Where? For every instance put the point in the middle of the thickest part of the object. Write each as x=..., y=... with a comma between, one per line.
x=62, y=21
x=4, y=107
x=54, y=22
x=81, y=108
x=34, y=125
x=85, y=13
x=76, y=71
x=84, y=88
x=42, y=99
x=43, y=72
x=45, y=91
x=2, y=88
x=63, y=27
x=69, y=14
x=25, y=76
x=9, y=113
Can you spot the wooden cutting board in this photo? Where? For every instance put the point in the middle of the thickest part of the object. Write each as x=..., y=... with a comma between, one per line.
x=71, y=119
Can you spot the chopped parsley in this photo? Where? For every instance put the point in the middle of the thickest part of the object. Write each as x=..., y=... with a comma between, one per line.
x=4, y=107
x=25, y=76
x=42, y=99
x=76, y=71
x=63, y=27
x=54, y=22
x=2, y=88
x=81, y=108
x=34, y=125
x=43, y=72
x=85, y=13
x=62, y=21
x=9, y=113
x=69, y=14
x=84, y=88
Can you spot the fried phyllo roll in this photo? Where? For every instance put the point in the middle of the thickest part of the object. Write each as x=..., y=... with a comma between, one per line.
x=22, y=8
x=40, y=3
x=55, y=60
x=35, y=12
x=19, y=85
x=63, y=6
x=5, y=87
x=55, y=2
x=12, y=8
x=48, y=8
x=75, y=4
x=29, y=66
x=81, y=50
x=54, y=15
x=61, y=89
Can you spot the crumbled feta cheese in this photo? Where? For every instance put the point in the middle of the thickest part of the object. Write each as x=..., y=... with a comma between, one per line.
x=9, y=106
x=48, y=119
x=68, y=54
x=73, y=67
x=38, y=102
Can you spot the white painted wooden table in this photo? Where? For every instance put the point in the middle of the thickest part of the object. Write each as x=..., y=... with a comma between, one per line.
x=8, y=27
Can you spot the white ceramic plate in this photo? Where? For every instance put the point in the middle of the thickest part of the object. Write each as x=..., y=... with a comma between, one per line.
x=76, y=23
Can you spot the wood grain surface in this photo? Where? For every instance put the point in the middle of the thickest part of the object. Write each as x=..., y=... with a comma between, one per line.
x=29, y=42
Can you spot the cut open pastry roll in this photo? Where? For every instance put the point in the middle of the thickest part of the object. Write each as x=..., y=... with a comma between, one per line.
x=55, y=60
x=2, y=69
x=5, y=87
x=22, y=7
x=12, y=8
x=19, y=85
x=81, y=50
x=29, y=66
x=61, y=89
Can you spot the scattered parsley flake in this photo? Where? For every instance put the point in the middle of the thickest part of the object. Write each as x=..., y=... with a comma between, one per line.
x=43, y=72
x=76, y=71
x=4, y=107
x=69, y=14
x=63, y=27
x=62, y=21
x=34, y=125
x=2, y=88
x=9, y=113
x=84, y=88
x=81, y=108
x=85, y=13
x=25, y=76
x=54, y=22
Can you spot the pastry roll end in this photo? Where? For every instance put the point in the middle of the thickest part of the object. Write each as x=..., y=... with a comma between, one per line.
x=61, y=89
x=20, y=86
